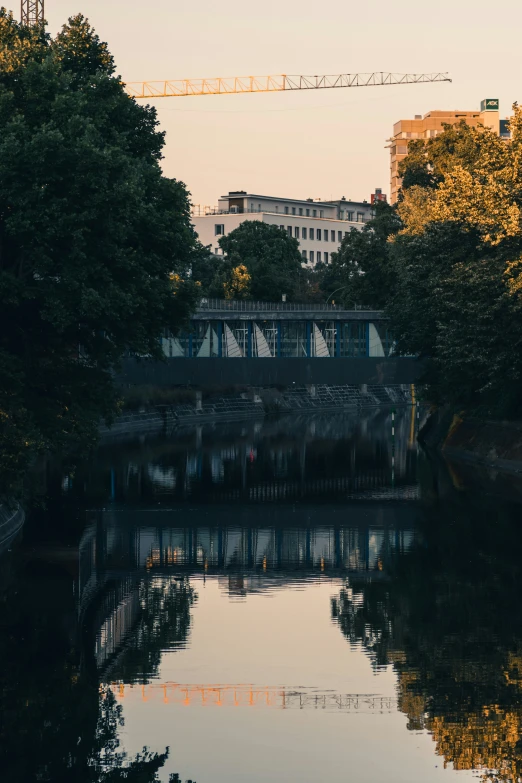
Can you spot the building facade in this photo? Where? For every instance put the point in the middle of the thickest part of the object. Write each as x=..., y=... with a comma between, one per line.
x=430, y=125
x=318, y=226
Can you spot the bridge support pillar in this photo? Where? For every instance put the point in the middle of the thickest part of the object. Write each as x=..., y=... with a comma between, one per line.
x=199, y=400
x=312, y=390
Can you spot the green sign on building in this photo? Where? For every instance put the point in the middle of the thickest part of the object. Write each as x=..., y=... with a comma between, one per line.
x=489, y=104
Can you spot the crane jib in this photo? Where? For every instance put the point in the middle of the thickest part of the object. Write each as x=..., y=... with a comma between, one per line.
x=178, y=88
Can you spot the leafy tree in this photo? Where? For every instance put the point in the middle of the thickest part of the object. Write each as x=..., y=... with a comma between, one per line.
x=476, y=181
x=457, y=267
x=204, y=267
x=239, y=284
x=90, y=231
x=362, y=265
x=271, y=257
x=428, y=161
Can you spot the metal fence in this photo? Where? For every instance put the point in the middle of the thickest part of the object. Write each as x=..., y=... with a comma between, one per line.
x=246, y=306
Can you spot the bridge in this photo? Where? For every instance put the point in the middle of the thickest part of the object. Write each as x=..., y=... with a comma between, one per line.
x=295, y=337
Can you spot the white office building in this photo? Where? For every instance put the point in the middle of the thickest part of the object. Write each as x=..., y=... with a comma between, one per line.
x=319, y=226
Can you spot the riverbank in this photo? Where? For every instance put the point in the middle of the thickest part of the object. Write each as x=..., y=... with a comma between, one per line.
x=144, y=411
x=493, y=444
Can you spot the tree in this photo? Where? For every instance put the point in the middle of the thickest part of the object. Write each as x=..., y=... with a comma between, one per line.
x=239, y=284
x=270, y=256
x=362, y=264
x=457, y=262
x=90, y=231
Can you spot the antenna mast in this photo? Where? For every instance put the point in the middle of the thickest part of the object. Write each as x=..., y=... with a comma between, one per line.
x=32, y=12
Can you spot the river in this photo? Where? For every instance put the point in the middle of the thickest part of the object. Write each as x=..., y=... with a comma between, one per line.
x=302, y=599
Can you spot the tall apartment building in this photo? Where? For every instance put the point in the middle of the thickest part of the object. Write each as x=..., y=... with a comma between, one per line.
x=319, y=226
x=431, y=124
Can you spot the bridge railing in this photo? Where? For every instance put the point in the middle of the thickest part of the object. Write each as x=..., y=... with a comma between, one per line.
x=247, y=306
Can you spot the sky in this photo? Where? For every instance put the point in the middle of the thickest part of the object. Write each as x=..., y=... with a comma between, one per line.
x=312, y=144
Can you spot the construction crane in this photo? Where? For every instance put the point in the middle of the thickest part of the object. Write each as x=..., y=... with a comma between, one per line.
x=32, y=12
x=281, y=83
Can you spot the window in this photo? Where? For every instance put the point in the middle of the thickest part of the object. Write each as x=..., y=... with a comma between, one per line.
x=321, y=213
x=339, y=236
x=277, y=208
x=311, y=233
x=300, y=210
x=293, y=210
x=303, y=253
x=314, y=213
x=326, y=235
x=311, y=256
x=289, y=230
x=346, y=233
x=282, y=228
x=401, y=150
x=349, y=216
x=286, y=210
x=360, y=217
x=219, y=229
x=341, y=214
x=251, y=206
x=332, y=235
x=326, y=258
x=296, y=232
x=303, y=233
x=217, y=251
x=318, y=234
x=307, y=213
x=318, y=257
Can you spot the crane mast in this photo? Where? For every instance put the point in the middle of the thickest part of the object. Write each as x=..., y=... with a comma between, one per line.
x=32, y=12
x=280, y=83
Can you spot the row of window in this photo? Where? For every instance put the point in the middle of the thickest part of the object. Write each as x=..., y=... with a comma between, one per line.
x=311, y=256
x=303, y=233
x=305, y=212
x=317, y=234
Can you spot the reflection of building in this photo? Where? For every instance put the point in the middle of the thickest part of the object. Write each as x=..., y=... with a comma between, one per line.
x=430, y=125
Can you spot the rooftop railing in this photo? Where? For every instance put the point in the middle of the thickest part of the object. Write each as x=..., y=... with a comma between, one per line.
x=247, y=306
x=240, y=211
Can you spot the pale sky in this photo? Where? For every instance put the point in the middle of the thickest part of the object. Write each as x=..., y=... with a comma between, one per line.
x=313, y=144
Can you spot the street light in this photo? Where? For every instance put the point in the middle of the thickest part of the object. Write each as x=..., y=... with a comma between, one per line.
x=341, y=288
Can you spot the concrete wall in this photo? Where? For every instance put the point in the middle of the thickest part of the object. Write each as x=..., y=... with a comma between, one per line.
x=269, y=372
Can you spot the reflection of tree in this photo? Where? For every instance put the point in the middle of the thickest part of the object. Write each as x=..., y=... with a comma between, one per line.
x=450, y=622
x=164, y=623
x=56, y=724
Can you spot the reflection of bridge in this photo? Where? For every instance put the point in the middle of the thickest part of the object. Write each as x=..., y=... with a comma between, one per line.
x=281, y=698
x=359, y=340
x=128, y=556
x=119, y=547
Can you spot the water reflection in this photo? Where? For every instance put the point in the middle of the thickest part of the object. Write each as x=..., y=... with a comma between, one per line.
x=450, y=622
x=136, y=568
x=316, y=459
x=307, y=588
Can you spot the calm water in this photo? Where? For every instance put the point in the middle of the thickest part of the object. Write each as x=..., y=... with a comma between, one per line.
x=295, y=600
